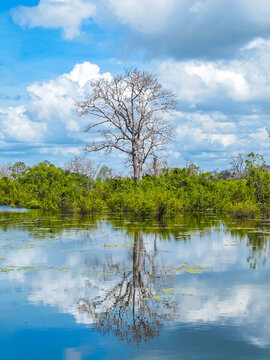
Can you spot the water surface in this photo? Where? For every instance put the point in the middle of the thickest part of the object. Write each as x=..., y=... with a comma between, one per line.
x=77, y=288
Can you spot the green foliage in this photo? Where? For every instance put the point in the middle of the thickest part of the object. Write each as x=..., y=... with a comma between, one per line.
x=245, y=208
x=47, y=187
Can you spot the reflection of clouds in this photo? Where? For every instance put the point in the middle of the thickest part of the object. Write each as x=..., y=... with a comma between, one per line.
x=64, y=291
x=20, y=257
x=59, y=290
x=246, y=306
x=208, y=305
x=72, y=354
x=214, y=250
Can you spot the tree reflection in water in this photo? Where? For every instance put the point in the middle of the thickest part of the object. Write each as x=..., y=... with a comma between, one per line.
x=124, y=309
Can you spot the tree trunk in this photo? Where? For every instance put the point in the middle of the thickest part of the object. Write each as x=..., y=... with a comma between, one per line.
x=135, y=162
x=155, y=169
x=140, y=162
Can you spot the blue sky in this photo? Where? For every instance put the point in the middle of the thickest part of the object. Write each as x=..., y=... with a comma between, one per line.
x=214, y=54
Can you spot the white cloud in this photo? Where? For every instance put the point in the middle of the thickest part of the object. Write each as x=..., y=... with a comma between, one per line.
x=188, y=28
x=17, y=126
x=261, y=136
x=55, y=99
x=256, y=43
x=47, y=120
x=60, y=150
x=202, y=136
x=216, y=83
x=195, y=130
x=197, y=82
x=135, y=13
x=180, y=28
x=53, y=14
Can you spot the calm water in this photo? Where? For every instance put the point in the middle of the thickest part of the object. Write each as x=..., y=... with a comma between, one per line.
x=77, y=288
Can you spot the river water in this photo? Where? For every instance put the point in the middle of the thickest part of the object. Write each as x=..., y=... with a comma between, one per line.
x=73, y=288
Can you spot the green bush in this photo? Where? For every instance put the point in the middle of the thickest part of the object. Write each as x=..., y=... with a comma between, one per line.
x=244, y=209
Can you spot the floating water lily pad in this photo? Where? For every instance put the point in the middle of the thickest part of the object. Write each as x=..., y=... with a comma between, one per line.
x=30, y=268
x=192, y=271
x=167, y=290
x=183, y=294
x=7, y=270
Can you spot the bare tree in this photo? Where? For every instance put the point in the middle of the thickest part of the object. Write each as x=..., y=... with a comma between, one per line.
x=82, y=165
x=106, y=173
x=5, y=170
x=13, y=171
x=192, y=167
x=18, y=169
x=128, y=113
x=238, y=168
x=157, y=166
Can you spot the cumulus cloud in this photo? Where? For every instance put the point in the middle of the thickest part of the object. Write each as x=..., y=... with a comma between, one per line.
x=210, y=139
x=67, y=15
x=198, y=82
x=55, y=98
x=177, y=28
x=47, y=120
x=196, y=130
x=224, y=104
x=17, y=126
x=209, y=29
x=135, y=14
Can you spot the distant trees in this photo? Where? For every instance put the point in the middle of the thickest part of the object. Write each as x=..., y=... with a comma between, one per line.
x=82, y=165
x=128, y=111
x=13, y=171
x=239, y=166
x=158, y=166
x=192, y=167
x=105, y=173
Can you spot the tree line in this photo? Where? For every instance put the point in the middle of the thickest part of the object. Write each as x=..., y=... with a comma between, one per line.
x=163, y=192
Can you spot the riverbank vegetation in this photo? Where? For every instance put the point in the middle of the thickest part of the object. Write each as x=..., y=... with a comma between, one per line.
x=171, y=192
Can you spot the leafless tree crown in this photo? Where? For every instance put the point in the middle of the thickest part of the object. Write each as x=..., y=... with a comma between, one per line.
x=127, y=111
x=82, y=165
x=238, y=164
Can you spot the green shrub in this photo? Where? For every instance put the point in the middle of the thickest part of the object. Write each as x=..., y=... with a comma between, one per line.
x=244, y=209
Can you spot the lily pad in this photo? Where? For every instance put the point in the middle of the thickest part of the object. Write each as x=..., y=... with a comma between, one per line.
x=167, y=290
x=192, y=271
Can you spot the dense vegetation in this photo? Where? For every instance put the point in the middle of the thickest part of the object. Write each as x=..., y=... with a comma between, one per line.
x=47, y=187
